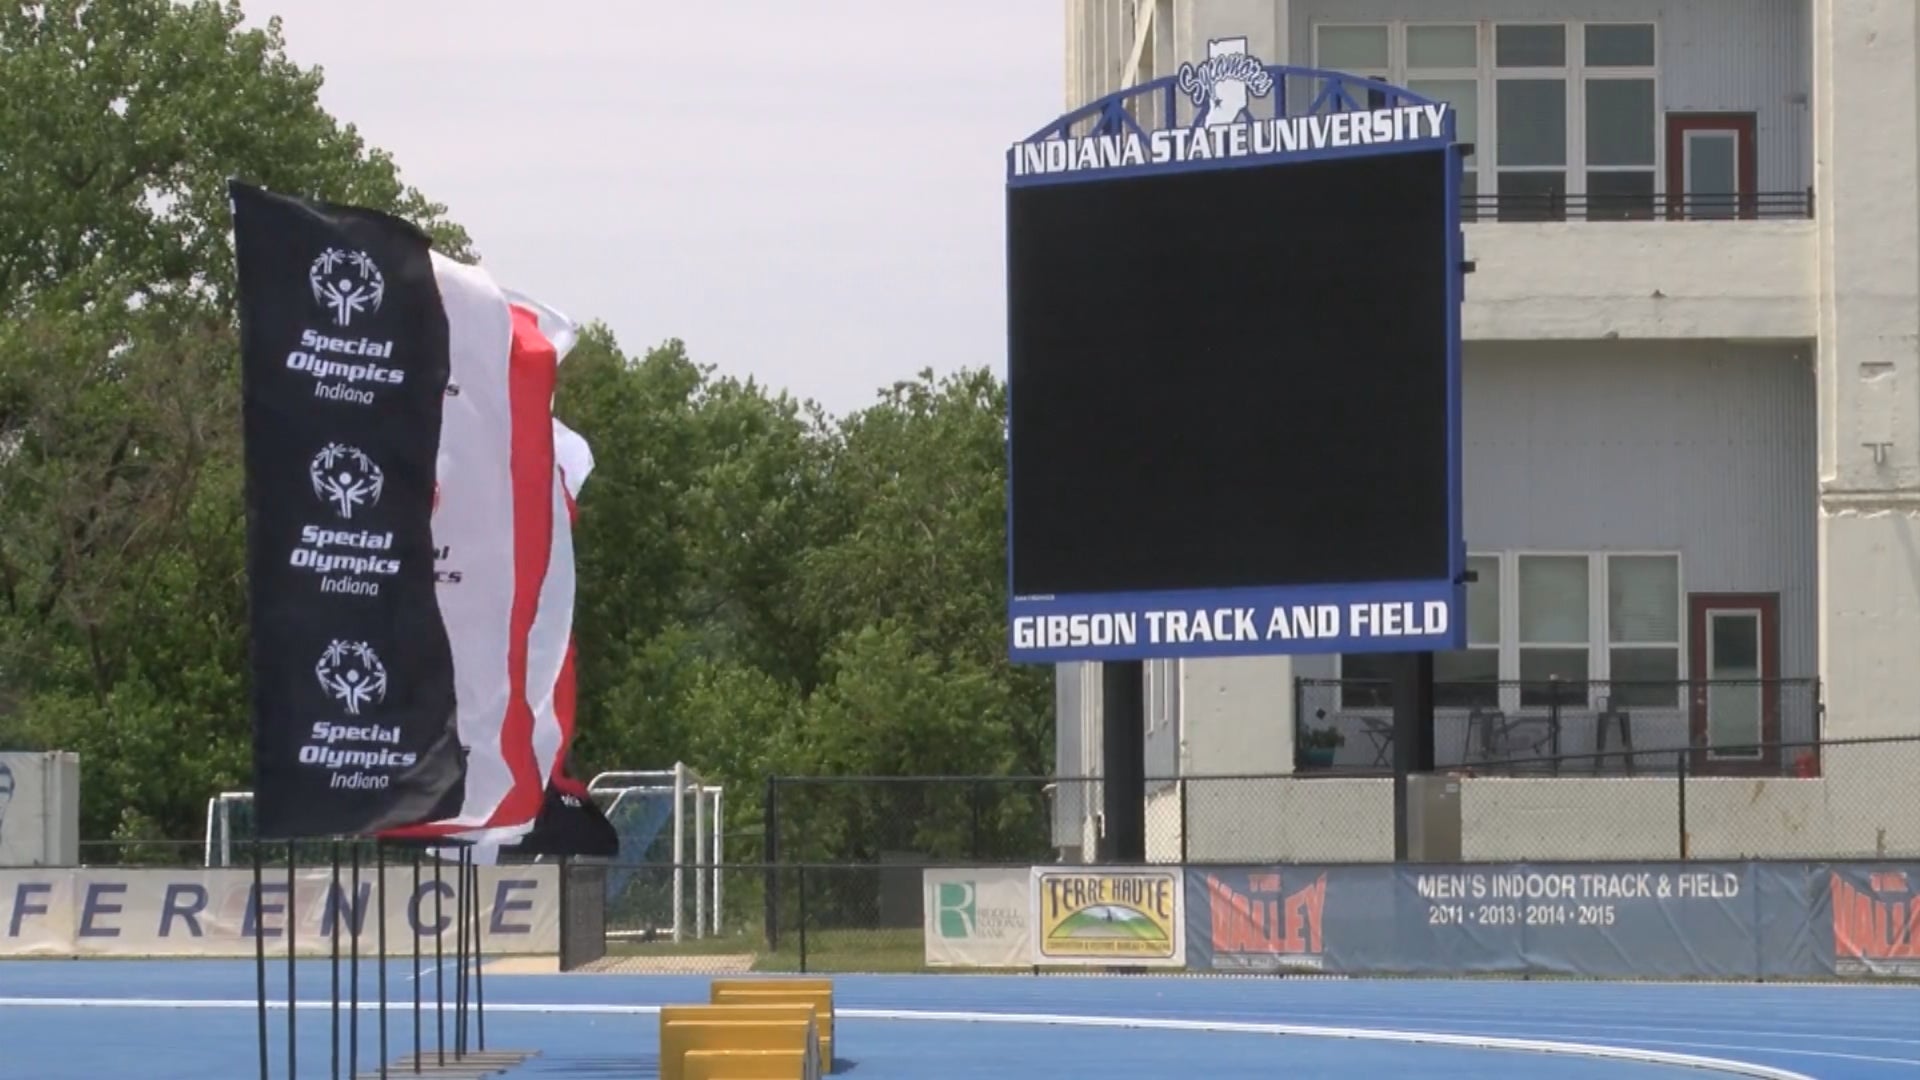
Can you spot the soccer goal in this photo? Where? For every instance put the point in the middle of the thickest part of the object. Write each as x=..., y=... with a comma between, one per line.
x=670, y=826
x=666, y=818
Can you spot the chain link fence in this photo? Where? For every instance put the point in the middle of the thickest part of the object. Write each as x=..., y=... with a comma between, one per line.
x=1607, y=727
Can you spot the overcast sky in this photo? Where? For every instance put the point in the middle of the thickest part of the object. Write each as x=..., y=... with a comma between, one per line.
x=808, y=192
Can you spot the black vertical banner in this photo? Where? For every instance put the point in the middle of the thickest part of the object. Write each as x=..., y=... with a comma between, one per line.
x=344, y=368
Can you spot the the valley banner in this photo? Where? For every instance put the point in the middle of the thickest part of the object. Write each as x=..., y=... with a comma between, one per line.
x=344, y=370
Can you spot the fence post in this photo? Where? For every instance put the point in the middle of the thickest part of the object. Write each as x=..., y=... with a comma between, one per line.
x=1184, y=819
x=801, y=885
x=1553, y=719
x=770, y=815
x=1682, y=788
x=975, y=809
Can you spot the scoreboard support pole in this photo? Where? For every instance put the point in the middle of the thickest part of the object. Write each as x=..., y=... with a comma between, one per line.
x=1123, y=762
x=1412, y=737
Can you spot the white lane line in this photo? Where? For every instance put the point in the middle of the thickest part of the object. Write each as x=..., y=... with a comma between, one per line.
x=1421, y=1038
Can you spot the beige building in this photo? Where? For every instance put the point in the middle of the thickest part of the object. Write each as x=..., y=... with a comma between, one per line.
x=1692, y=428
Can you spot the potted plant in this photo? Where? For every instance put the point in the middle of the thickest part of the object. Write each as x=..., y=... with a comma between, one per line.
x=1318, y=745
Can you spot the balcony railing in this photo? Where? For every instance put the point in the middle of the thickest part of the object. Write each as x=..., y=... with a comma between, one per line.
x=1557, y=727
x=1559, y=206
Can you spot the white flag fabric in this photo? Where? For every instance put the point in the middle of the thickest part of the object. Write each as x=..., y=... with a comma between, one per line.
x=495, y=522
x=549, y=690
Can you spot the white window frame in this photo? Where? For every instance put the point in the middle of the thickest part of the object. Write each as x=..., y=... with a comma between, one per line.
x=1574, y=73
x=1395, y=47
x=1679, y=644
x=1513, y=645
x=1620, y=74
x=1475, y=167
x=1599, y=643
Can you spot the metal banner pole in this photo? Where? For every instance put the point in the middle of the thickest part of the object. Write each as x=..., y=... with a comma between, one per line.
x=293, y=999
x=260, y=953
x=460, y=959
x=353, y=962
x=413, y=919
x=380, y=871
x=479, y=963
x=439, y=964
x=331, y=910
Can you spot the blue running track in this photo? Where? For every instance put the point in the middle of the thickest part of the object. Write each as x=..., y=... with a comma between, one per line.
x=194, y=1020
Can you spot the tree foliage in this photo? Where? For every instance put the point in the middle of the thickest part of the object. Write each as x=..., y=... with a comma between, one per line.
x=763, y=587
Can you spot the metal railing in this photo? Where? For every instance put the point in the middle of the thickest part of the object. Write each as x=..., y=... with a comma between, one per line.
x=1560, y=206
x=1566, y=727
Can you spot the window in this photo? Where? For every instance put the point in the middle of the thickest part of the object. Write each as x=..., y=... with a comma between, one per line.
x=1358, y=50
x=1643, y=629
x=1443, y=63
x=1622, y=116
x=1554, y=632
x=1530, y=132
x=1572, y=108
x=1568, y=627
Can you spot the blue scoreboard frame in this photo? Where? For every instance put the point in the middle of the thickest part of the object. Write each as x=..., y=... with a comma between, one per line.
x=1345, y=116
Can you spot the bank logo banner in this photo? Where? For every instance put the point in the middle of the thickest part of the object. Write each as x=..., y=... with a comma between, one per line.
x=1108, y=916
x=977, y=917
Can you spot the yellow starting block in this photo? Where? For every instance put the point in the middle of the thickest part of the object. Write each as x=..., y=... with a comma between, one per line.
x=724, y=1029
x=815, y=992
x=745, y=1064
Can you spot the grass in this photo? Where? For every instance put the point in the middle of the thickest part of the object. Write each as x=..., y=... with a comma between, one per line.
x=866, y=951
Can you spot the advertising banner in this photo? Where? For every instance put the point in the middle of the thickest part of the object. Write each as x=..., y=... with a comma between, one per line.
x=39, y=809
x=193, y=912
x=1605, y=920
x=978, y=918
x=344, y=371
x=1110, y=917
x=1873, y=912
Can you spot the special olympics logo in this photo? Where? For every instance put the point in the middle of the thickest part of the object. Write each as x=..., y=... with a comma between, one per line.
x=352, y=674
x=1224, y=82
x=346, y=478
x=346, y=283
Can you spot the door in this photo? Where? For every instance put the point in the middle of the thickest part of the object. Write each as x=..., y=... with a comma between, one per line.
x=1712, y=168
x=1733, y=657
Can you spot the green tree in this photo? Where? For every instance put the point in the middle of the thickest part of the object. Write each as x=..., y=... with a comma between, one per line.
x=122, y=604
x=919, y=490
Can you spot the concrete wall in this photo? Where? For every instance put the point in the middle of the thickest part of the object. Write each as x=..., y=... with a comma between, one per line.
x=1658, y=280
x=1867, y=806
x=1868, y=142
x=1292, y=820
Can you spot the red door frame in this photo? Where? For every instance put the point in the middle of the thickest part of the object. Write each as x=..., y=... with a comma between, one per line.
x=1768, y=605
x=1747, y=160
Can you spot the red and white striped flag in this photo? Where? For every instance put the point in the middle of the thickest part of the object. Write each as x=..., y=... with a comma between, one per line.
x=505, y=583
x=548, y=685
